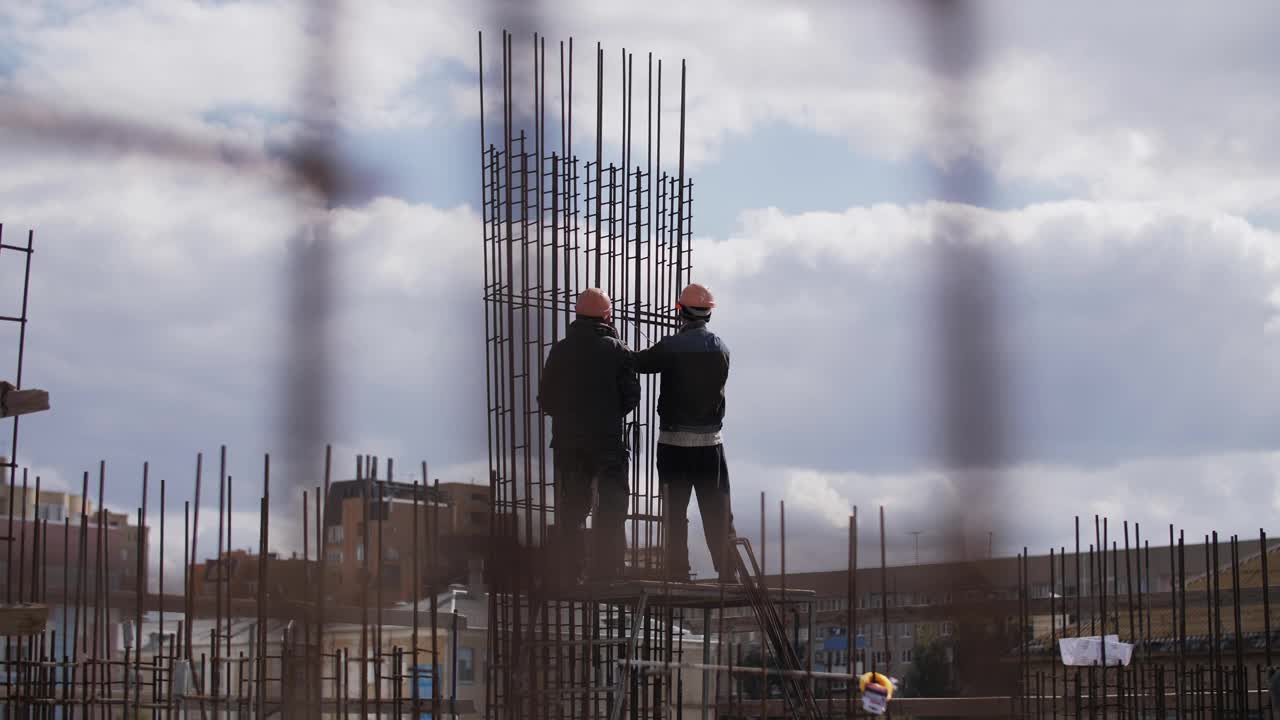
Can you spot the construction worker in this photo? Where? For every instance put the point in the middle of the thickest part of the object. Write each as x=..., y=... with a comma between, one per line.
x=588, y=387
x=694, y=365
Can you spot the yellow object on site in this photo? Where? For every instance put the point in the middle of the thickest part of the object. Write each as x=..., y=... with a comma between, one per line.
x=877, y=678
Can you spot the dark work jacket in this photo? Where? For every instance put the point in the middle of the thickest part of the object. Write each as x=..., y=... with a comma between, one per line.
x=588, y=386
x=694, y=364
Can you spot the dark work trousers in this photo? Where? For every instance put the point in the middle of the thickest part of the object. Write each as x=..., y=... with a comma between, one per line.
x=575, y=471
x=683, y=471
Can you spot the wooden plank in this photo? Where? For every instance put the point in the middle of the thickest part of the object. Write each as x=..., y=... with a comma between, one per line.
x=963, y=707
x=23, y=619
x=987, y=609
x=21, y=402
x=200, y=702
x=958, y=707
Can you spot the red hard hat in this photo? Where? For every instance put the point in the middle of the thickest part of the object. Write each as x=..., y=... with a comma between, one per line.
x=594, y=303
x=697, y=296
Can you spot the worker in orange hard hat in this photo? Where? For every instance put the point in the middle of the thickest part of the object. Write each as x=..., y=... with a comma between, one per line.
x=694, y=365
x=588, y=387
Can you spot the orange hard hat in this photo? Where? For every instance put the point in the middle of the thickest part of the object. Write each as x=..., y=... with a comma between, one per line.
x=697, y=296
x=594, y=303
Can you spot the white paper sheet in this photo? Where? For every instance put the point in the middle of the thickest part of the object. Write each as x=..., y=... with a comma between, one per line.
x=1088, y=651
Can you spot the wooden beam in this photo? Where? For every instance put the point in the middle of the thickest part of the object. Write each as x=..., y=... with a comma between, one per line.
x=956, y=707
x=21, y=402
x=1002, y=608
x=23, y=619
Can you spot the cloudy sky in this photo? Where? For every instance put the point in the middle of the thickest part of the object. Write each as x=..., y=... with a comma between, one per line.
x=1128, y=177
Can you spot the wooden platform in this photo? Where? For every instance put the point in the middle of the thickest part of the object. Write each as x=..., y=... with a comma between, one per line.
x=24, y=619
x=15, y=402
x=702, y=595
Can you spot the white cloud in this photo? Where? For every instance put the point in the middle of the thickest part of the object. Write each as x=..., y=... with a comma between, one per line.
x=1129, y=328
x=189, y=64
x=1230, y=493
x=1093, y=118
x=157, y=315
x=1138, y=333
x=1139, y=318
x=1058, y=108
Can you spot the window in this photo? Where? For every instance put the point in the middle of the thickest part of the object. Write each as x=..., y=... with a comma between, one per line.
x=466, y=665
x=947, y=629
x=334, y=556
x=334, y=533
x=479, y=496
x=360, y=552
x=52, y=513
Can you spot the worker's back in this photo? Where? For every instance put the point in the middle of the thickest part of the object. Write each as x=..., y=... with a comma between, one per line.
x=694, y=364
x=588, y=387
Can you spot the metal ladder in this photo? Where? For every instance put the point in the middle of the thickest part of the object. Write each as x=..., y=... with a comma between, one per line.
x=622, y=685
x=796, y=692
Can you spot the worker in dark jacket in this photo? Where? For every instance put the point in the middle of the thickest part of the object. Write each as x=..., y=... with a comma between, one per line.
x=694, y=364
x=588, y=387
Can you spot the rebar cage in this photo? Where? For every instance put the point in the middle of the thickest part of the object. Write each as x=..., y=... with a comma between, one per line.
x=553, y=226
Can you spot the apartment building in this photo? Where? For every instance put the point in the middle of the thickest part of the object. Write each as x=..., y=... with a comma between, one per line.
x=370, y=531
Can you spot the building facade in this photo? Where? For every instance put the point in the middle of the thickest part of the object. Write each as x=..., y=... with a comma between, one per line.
x=917, y=597
x=369, y=534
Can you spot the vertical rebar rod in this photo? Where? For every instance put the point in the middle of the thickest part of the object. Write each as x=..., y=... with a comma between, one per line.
x=263, y=559
x=220, y=562
x=764, y=652
x=1215, y=619
x=164, y=510
x=1239, y=630
x=852, y=610
x=1181, y=590
x=190, y=560
x=884, y=597
x=384, y=515
x=140, y=592
x=415, y=596
x=1102, y=596
x=1053, y=626
x=431, y=578
x=1266, y=595
x=681, y=182
x=362, y=557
